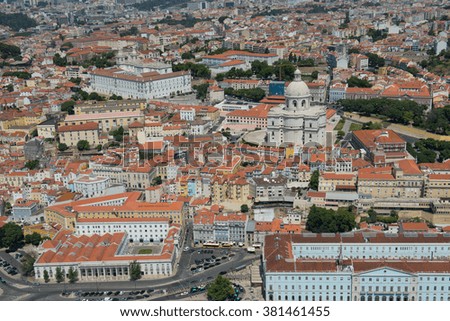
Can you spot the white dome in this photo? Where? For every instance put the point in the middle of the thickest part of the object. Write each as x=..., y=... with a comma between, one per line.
x=298, y=87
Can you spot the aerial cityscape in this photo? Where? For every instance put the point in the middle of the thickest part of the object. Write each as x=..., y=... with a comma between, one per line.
x=225, y=150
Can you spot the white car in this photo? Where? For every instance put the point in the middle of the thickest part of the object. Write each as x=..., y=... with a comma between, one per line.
x=186, y=249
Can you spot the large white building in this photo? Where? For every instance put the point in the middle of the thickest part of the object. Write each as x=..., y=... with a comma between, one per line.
x=139, y=229
x=90, y=186
x=104, y=257
x=296, y=122
x=143, y=86
x=367, y=266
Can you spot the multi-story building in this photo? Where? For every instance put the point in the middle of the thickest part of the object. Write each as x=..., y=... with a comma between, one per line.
x=105, y=121
x=230, y=188
x=357, y=267
x=143, y=86
x=105, y=257
x=437, y=186
x=72, y=134
x=404, y=180
x=382, y=146
x=268, y=189
x=336, y=182
x=220, y=227
x=90, y=186
x=109, y=106
x=151, y=229
x=251, y=119
x=122, y=205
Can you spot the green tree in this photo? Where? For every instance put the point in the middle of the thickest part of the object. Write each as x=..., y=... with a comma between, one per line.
x=135, y=271
x=68, y=107
x=321, y=220
x=244, y=208
x=11, y=236
x=220, y=289
x=32, y=164
x=202, y=90
x=372, y=216
x=59, y=275
x=99, y=147
x=356, y=82
x=46, y=276
x=59, y=61
x=156, y=181
x=72, y=275
x=83, y=145
x=28, y=265
x=62, y=147
x=9, y=87
x=9, y=51
x=314, y=180
x=187, y=55
x=254, y=94
x=34, y=239
x=315, y=75
x=17, y=21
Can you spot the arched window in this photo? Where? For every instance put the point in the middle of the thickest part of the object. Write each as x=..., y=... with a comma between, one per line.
x=303, y=103
x=294, y=103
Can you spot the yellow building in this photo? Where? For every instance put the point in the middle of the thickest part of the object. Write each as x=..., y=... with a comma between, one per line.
x=329, y=182
x=437, y=186
x=122, y=205
x=72, y=134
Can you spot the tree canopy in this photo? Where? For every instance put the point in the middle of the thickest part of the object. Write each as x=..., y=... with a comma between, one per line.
x=197, y=70
x=314, y=180
x=254, y=94
x=83, y=145
x=397, y=111
x=356, y=82
x=321, y=220
x=220, y=289
x=9, y=51
x=11, y=236
x=135, y=271
x=17, y=21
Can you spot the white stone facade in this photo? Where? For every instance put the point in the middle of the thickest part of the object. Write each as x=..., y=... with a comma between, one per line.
x=296, y=122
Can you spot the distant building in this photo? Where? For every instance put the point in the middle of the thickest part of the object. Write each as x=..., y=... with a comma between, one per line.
x=146, y=85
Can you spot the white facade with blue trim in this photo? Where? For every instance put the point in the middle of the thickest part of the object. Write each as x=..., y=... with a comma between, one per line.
x=357, y=267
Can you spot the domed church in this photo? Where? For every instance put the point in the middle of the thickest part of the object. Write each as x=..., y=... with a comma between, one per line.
x=296, y=122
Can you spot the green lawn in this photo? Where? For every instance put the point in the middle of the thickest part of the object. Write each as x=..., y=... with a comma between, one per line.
x=145, y=251
x=340, y=124
x=354, y=126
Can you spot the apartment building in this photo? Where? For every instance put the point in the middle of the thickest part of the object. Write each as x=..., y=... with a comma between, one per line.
x=219, y=227
x=404, y=180
x=72, y=134
x=337, y=182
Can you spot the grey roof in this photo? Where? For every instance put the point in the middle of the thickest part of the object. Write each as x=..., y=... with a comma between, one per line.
x=342, y=196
